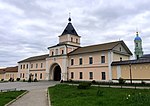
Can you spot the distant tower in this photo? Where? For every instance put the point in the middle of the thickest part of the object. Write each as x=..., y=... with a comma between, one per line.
x=138, y=46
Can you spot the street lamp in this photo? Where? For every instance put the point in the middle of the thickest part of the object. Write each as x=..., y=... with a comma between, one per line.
x=130, y=74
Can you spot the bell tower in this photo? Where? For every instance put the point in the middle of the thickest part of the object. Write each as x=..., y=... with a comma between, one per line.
x=69, y=35
x=138, y=46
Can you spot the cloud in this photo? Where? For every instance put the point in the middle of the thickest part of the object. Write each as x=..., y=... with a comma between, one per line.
x=28, y=27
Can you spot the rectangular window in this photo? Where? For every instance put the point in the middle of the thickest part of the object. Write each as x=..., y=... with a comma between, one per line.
x=120, y=58
x=80, y=61
x=27, y=66
x=72, y=61
x=24, y=66
x=31, y=65
x=36, y=65
x=81, y=76
x=20, y=75
x=72, y=75
x=76, y=40
x=41, y=65
x=90, y=60
x=21, y=66
x=102, y=59
x=23, y=75
x=103, y=76
x=40, y=75
x=91, y=75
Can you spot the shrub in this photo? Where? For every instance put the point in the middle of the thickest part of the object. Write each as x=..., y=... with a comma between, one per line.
x=84, y=85
x=18, y=79
x=121, y=80
x=142, y=82
x=24, y=80
x=35, y=80
x=11, y=79
x=93, y=82
x=70, y=80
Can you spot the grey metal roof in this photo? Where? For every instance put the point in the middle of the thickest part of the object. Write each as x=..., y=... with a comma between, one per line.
x=145, y=56
x=127, y=62
x=69, y=30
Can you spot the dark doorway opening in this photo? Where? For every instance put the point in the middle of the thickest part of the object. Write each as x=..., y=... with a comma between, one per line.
x=57, y=73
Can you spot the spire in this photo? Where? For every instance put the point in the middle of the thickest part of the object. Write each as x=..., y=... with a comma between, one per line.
x=137, y=33
x=69, y=19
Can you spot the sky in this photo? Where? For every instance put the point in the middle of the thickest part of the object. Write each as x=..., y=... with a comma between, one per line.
x=28, y=27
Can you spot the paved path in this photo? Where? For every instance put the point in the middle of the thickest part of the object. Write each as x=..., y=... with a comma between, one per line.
x=37, y=95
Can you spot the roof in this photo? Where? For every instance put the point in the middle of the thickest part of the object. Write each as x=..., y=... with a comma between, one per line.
x=12, y=69
x=99, y=47
x=127, y=62
x=69, y=29
x=34, y=58
x=61, y=44
x=145, y=56
x=9, y=69
x=2, y=70
x=138, y=38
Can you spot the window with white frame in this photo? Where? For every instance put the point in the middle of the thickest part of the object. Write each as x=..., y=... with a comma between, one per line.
x=90, y=60
x=102, y=59
x=80, y=61
x=90, y=75
x=103, y=76
x=72, y=61
x=81, y=75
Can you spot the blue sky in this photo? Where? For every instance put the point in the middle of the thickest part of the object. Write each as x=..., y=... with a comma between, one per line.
x=28, y=27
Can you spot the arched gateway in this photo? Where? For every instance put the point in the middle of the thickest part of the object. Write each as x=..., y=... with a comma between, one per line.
x=55, y=72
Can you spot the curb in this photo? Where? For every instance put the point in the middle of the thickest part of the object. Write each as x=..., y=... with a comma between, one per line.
x=12, y=101
x=49, y=103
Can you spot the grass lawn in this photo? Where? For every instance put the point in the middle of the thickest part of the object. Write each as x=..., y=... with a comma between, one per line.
x=6, y=97
x=65, y=95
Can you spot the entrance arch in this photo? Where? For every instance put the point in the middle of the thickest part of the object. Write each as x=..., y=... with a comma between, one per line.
x=55, y=72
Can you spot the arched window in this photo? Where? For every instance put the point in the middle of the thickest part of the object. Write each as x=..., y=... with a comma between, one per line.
x=52, y=53
x=71, y=39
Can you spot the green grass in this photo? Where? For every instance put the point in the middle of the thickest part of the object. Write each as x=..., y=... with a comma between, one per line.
x=65, y=95
x=6, y=97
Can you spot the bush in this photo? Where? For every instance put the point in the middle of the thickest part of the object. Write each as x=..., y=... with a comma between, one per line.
x=70, y=80
x=93, y=82
x=24, y=80
x=84, y=85
x=35, y=80
x=142, y=82
x=18, y=79
x=121, y=81
x=11, y=79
